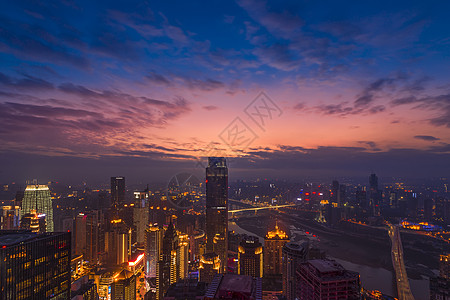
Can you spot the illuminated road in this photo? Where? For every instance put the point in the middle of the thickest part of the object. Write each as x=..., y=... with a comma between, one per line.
x=403, y=288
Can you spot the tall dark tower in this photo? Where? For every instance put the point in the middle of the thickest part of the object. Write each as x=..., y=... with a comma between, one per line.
x=117, y=190
x=374, y=194
x=217, y=208
x=164, y=272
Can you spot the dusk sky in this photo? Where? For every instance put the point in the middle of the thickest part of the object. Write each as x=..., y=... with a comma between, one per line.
x=95, y=89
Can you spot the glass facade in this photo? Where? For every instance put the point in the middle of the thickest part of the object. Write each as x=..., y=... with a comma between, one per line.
x=34, y=266
x=38, y=198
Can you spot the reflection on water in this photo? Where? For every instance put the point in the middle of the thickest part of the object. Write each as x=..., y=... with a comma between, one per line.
x=382, y=280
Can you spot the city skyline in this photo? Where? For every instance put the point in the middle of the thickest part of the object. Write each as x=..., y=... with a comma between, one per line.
x=143, y=90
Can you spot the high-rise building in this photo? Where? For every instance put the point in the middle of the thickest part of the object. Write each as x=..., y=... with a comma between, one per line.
x=124, y=287
x=217, y=208
x=165, y=274
x=9, y=217
x=153, y=248
x=322, y=279
x=140, y=215
x=250, y=257
x=86, y=236
x=37, y=197
x=374, y=195
x=118, y=242
x=174, y=258
x=293, y=254
x=117, y=190
x=209, y=267
x=273, y=251
x=33, y=222
x=34, y=266
x=444, y=266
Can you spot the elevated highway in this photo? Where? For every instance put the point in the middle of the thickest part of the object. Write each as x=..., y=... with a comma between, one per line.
x=403, y=288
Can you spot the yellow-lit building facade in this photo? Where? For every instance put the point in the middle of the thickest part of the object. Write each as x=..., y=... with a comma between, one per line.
x=273, y=251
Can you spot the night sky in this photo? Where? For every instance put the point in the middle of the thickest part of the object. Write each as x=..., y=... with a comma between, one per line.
x=95, y=89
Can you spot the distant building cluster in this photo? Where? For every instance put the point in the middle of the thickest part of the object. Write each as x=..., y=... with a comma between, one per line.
x=117, y=242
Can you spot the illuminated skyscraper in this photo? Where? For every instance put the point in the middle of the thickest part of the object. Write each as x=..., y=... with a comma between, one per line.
x=34, y=266
x=217, y=208
x=173, y=263
x=33, y=222
x=153, y=248
x=118, y=242
x=38, y=198
x=118, y=190
x=86, y=236
x=209, y=267
x=273, y=251
x=140, y=215
x=250, y=257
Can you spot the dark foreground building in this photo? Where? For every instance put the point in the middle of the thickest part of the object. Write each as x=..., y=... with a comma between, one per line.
x=34, y=266
x=323, y=279
x=234, y=287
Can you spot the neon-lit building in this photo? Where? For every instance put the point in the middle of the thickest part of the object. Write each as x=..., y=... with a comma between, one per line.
x=37, y=197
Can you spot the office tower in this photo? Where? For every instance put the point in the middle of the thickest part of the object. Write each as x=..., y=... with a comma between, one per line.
x=273, y=251
x=37, y=197
x=293, y=254
x=233, y=286
x=250, y=257
x=195, y=240
x=34, y=266
x=209, y=267
x=33, y=222
x=140, y=215
x=334, y=191
x=374, y=195
x=153, y=248
x=117, y=190
x=217, y=208
x=124, y=287
x=322, y=279
x=83, y=289
x=182, y=257
x=9, y=217
x=165, y=274
x=361, y=197
x=86, y=236
x=118, y=242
